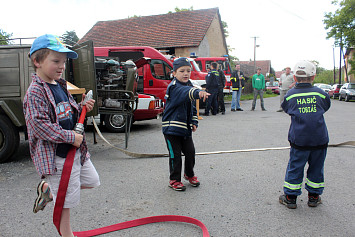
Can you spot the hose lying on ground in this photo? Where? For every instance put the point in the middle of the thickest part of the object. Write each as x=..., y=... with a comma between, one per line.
x=143, y=155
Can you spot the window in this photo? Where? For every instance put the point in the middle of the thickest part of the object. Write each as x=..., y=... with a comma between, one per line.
x=196, y=66
x=199, y=63
x=208, y=64
x=160, y=69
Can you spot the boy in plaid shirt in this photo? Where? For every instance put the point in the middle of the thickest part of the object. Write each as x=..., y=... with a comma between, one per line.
x=51, y=114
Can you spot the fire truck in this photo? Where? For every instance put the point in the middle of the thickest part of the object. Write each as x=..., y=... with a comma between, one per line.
x=155, y=76
x=204, y=63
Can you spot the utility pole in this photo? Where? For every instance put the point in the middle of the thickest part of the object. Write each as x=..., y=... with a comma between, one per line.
x=255, y=52
x=334, y=74
x=341, y=48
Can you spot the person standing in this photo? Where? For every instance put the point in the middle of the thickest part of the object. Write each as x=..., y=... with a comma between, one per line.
x=308, y=137
x=222, y=82
x=286, y=83
x=258, y=83
x=178, y=123
x=51, y=114
x=212, y=85
x=237, y=79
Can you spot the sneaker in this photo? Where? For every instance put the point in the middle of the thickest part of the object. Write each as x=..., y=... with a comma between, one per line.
x=289, y=202
x=193, y=180
x=280, y=110
x=263, y=109
x=314, y=200
x=43, y=198
x=233, y=110
x=240, y=109
x=177, y=186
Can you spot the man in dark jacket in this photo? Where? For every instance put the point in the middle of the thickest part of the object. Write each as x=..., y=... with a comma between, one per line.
x=220, y=96
x=212, y=86
x=237, y=80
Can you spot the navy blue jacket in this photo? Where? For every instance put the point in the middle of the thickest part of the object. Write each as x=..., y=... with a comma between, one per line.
x=180, y=113
x=212, y=80
x=306, y=105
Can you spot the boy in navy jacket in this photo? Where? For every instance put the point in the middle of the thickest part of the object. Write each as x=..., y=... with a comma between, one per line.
x=308, y=136
x=179, y=121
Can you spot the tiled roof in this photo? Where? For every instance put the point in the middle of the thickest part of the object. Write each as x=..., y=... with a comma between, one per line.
x=248, y=66
x=180, y=29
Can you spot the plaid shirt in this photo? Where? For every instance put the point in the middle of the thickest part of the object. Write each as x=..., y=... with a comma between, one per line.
x=44, y=131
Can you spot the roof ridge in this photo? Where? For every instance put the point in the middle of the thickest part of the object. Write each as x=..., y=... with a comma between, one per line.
x=163, y=14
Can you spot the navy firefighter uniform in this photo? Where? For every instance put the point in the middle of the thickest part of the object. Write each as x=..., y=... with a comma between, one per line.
x=179, y=116
x=212, y=86
x=308, y=137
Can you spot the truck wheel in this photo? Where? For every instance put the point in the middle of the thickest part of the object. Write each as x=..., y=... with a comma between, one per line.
x=115, y=123
x=9, y=138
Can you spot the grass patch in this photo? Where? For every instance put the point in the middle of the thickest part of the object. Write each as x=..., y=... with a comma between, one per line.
x=250, y=96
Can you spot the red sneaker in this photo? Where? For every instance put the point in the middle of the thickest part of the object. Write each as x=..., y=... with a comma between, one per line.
x=193, y=180
x=177, y=186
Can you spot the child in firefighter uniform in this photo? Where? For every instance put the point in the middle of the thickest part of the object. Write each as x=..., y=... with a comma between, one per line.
x=308, y=137
x=179, y=121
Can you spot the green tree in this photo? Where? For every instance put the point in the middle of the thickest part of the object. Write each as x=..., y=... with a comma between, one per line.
x=4, y=37
x=182, y=9
x=70, y=38
x=341, y=23
x=326, y=77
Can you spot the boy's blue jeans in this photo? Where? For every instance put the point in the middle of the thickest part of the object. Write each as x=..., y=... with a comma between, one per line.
x=235, y=99
x=295, y=170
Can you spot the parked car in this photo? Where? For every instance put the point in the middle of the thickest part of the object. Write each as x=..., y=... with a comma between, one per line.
x=274, y=87
x=324, y=87
x=347, y=91
x=334, y=92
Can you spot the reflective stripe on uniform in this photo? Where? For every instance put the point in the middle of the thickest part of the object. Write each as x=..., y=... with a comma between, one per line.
x=314, y=185
x=292, y=186
x=175, y=124
x=191, y=94
x=305, y=94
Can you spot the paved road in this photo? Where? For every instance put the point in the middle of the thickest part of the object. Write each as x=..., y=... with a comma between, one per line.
x=238, y=195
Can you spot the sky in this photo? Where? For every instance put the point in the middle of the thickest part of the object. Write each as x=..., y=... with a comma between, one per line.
x=287, y=30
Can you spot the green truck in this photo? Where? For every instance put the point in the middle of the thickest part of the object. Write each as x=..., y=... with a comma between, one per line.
x=15, y=77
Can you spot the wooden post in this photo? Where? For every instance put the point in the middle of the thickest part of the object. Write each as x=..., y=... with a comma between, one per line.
x=198, y=109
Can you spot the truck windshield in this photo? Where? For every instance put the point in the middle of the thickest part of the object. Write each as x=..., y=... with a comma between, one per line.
x=193, y=62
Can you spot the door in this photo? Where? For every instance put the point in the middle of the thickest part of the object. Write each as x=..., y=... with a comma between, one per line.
x=157, y=78
x=81, y=71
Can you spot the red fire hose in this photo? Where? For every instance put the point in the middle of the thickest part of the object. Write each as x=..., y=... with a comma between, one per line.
x=62, y=190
